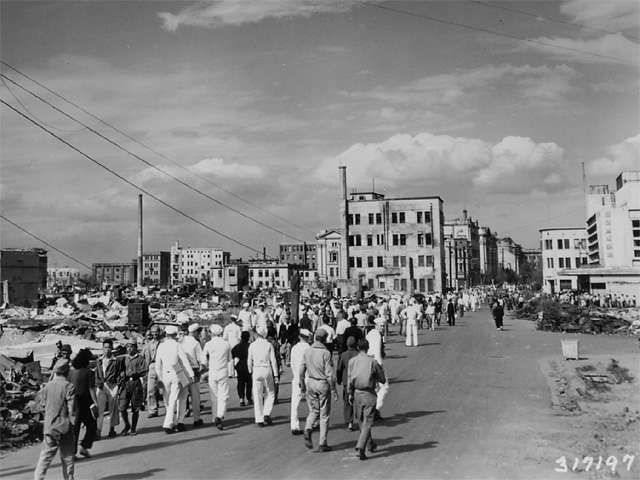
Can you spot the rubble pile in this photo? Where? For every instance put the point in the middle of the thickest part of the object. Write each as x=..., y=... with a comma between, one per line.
x=566, y=317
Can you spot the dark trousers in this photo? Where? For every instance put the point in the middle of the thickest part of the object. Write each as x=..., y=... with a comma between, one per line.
x=85, y=417
x=451, y=318
x=365, y=404
x=245, y=384
x=498, y=321
x=347, y=407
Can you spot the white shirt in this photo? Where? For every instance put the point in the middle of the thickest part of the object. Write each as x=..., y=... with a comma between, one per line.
x=192, y=350
x=217, y=355
x=232, y=334
x=247, y=320
x=261, y=354
x=331, y=333
x=167, y=355
x=297, y=353
x=342, y=326
x=375, y=345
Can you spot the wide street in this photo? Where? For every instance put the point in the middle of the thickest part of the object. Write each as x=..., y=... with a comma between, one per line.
x=469, y=402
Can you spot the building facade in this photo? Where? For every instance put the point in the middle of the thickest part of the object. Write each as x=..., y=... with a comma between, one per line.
x=203, y=266
x=23, y=272
x=156, y=267
x=62, y=278
x=270, y=275
x=124, y=274
x=304, y=254
x=462, y=252
x=562, y=248
x=531, y=271
x=488, y=246
x=393, y=244
x=328, y=254
x=510, y=260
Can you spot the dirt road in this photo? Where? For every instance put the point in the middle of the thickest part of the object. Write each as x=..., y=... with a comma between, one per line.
x=469, y=402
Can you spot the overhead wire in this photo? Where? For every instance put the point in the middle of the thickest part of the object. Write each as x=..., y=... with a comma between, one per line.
x=158, y=153
x=44, y=242
x=166, y=204
x=484, y=30
x=185, y=184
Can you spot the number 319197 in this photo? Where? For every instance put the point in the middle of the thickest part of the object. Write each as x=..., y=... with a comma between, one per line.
x=590, y=462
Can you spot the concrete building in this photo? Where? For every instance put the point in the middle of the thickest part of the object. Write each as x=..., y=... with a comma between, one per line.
x=62, y=278
x=23, y=272
x=234, y=276
x=510, y=260
x=562, y=248
x=393, y=244
x=328, y=253
x=303, y=254
x=265, y=274
x=532, y=268
x=462, y=252
x=488, y=246
x=613, y=238
x=156, y=267
x=201, y=265
x=123, y=274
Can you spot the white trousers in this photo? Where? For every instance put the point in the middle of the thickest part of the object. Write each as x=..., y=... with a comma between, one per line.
x=219, y=390
x=264, y=393
x=412, y=334
x=175, y=397
x=296, y=399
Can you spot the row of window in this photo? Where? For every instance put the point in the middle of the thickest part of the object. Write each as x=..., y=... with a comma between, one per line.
x=297, y=248
x=565, y=244
x=396, y=261
x=265, y=273
x=297, y=257
x=423, y=285
x=397, y=240
x=566, y=262
x=396, y=217
x=635, y=233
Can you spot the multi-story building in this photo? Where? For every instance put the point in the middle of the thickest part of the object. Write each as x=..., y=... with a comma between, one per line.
x=488, y=246
x=562, y=248
x=156, y=267
x=124, y=274
x=531, y=271
x=203, y=265
x=613, y=238
x=62, y=278
x=394, y=244
x=510, y=259
x=462, y=252
x=303, y=254
x=265, y=274
x=329, y=246
x=23, y=272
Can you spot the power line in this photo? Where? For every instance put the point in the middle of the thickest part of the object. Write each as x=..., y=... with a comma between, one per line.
x=131, y=183
x=40, y=240
x=484, y=30
x=630, y=37
x=147, y=162
x=160, y=154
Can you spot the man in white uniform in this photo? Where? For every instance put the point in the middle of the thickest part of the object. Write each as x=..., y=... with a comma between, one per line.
x=297, y=352
x=376, y=350
x=217, y=355
x=232, y=334
x=264, y=370
x=193, y=351
x=246, y=317
x=168, y=357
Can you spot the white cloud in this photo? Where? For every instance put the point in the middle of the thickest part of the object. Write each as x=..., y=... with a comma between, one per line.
x=606, y=15
x=238, y=12
x=516, y=165
x=214, y=168
x=620, y=157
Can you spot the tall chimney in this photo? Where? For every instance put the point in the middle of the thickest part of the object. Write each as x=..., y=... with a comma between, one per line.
x=140, y=241
x=344, y=260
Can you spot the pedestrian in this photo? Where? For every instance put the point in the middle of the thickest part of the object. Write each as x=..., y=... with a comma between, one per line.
x=240, y=353
x=498, y=315
x=272, y=334
x=246, y=318
x=217, y=355
x=131, y=392
x=193, y=350
x=231, y=334
x=107, y=374
x=262, y=365
x=60, y=415
x=175, y=373
x=451, y=313
x=352, y=331
x=149, y=355
x=342, y=372
x=318, y=388
x=363, y=376
x=376, y=350
x=297, y=352
x=64, y=352
x=411, y=315
x=84, y=383
x=431, y=315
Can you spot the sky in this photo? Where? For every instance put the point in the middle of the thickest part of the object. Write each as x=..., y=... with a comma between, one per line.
x=232, y=117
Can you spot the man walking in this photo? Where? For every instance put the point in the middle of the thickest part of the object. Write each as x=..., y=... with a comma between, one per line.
x=240, y=354
x=317, y=361
x=231, y=334
x=107, y=375
x=217, y=355
x=172, y=365
x=131, y=391
x=376, y=350
x=59, y=399
x=149, y=355
x=364, y=374
x=342, y=373
x=297, y=353
x=193, y=350
x=263, y=367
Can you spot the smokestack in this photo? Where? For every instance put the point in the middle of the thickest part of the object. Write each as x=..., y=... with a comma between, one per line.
x=140, y=241
x=344, y=268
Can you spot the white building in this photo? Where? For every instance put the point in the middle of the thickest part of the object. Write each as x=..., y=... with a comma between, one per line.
x=562, y=248
x=329, y=248
x=62, y=277
x=201, y=265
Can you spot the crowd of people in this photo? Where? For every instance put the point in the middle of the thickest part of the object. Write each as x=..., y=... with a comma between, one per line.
x=332, y=342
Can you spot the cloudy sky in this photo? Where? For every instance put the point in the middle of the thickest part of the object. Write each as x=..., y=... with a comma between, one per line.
x=233, y=116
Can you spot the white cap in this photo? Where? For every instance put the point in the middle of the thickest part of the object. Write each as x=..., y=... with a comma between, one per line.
x=171, y=330
x=194, y=327
x=305, y=332
x=245, y=305
x=215, y=329
x=379, y=321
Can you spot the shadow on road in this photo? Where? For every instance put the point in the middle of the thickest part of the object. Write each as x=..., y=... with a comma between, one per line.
x=134, y=476
x=401, y=418
x=404, y=380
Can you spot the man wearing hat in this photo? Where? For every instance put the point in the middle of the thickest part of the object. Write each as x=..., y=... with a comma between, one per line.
x=342, y=372
x=318, y=387
x=217, y=355
x=193, y=351
x=59, y=400
x=246, y=317
x=262, y=365
x=149, y=354
x=297, y=352
x=240, y=354
x=170, y=358
x=131, y=391
x=64, y=352
x=376, y=350
x=232, y=335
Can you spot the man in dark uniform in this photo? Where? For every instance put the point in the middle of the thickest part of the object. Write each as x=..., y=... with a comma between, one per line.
x=342, y=378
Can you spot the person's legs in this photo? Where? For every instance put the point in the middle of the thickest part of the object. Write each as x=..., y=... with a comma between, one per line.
x=47, y=453
x=152, y=388
x=324, y=400
x=183, y=392
x=223, y=397
x=296, y=397
x=67, y=457
x=270, y=395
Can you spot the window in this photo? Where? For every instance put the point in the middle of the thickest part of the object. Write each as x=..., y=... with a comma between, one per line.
x=420, y=238
x=429, y=262
x=549, y=262
x=396, y=261
x=357, y=219
x=427, y=239
x=349, y=220
x=358, y=262
x=352, y=240
x=403, y=261
x=331, y=272
x=396, y=284
x=561, y=262
x=358, y=240
x=395, y=239
x=371, y=219
x=403, y=284
x=333, y=257
x=370, y=283
x=370, y=262
x=378, y=219
x=380, y=262
x=579, y=243
x=402, y=217
x=421, y=260
x=369, y=240
x=565, y=285
x=394, y=217
x=277, y=273
x=380, y=239
x=430, y=284
x=567, y=262
x=566, y=244
x=548, y=244
x=352, y=262
x=421, y=282
x=403, y=239
x=418, y=217
x=559, y=244
x=427, y=217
